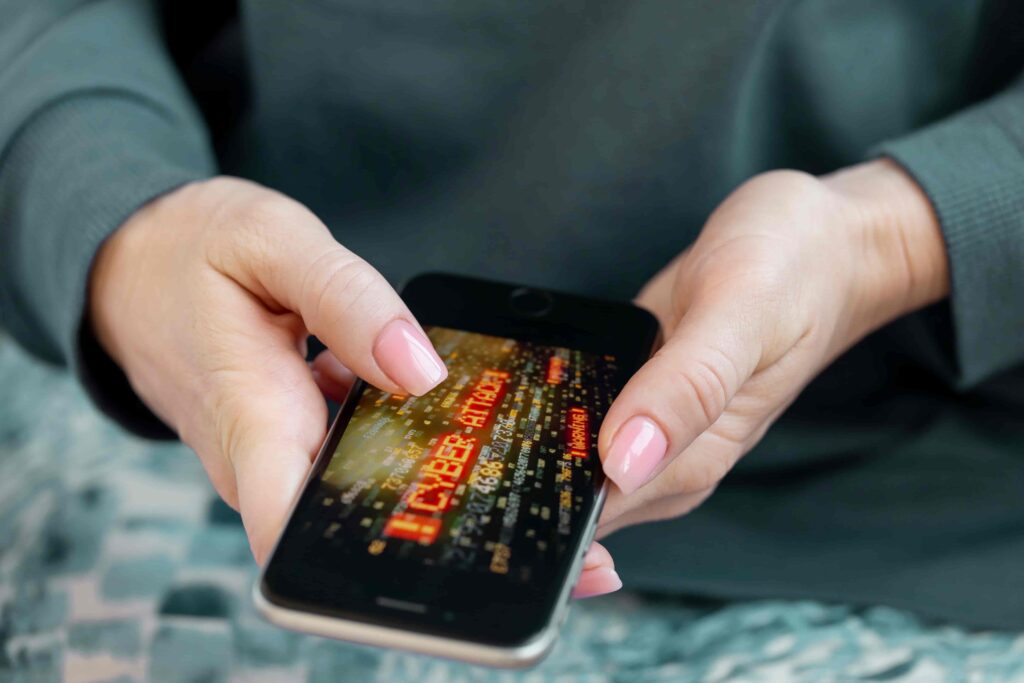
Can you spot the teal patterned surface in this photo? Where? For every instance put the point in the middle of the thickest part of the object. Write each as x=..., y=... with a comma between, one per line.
x=118, y=564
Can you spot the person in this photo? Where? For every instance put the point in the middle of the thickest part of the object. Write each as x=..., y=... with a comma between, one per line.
x=821, y=202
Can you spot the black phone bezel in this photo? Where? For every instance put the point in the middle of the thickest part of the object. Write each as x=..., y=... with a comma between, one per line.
x=478, y=608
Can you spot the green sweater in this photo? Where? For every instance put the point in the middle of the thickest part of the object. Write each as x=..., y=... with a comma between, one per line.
x=580, y=145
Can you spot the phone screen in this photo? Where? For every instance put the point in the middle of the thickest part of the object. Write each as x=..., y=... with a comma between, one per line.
x=461, y=513
x=489, y=473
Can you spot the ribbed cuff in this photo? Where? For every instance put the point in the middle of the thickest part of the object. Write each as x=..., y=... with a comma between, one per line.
x=74, y=173
x=972, y=168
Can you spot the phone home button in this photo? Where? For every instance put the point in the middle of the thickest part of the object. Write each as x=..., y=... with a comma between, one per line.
x=530, y=302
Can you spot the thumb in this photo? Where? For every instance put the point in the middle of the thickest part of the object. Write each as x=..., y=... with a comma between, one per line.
x=678, y=394
x=341, y=298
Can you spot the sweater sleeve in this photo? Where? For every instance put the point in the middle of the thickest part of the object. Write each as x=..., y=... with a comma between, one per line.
x=971, y=166
x=95, y=123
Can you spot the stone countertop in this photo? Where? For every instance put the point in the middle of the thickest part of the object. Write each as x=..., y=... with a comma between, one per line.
x=118, y=563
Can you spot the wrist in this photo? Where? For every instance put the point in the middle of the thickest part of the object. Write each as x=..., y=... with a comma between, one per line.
x=119, y=270
x=107, y=289
x=897, y=239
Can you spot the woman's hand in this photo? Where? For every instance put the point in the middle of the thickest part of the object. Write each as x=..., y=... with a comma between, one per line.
x=790, y=271
x=205, y=297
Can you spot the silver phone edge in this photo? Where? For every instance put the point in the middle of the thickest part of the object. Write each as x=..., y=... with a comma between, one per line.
x=520, y=656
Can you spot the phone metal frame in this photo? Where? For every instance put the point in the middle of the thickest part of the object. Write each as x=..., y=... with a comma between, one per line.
x=520, y=656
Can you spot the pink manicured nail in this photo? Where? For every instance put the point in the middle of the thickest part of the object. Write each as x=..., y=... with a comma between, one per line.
x=408, y=358
x=597, y=582
x=635, y=453
x=597, y=556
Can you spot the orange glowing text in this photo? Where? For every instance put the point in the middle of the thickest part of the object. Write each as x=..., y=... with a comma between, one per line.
x=478, y=407
x=556, y=370
x=449, y=459
x=413, y=527
x=577, y=433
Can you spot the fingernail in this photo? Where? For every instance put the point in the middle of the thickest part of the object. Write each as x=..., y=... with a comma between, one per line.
x=635, y=453
x=597, y=556
x=408, y=358
x=597, y=582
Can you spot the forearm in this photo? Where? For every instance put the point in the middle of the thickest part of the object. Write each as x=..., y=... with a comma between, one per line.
x=95, y=122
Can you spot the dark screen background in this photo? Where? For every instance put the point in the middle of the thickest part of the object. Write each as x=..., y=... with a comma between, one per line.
x=490, y=472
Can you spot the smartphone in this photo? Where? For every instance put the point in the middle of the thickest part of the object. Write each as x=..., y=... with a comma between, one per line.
x=455, y=523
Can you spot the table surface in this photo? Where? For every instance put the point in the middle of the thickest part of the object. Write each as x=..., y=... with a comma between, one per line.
x=118, y=563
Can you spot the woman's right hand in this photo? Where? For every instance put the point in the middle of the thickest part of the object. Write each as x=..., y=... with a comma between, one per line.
x=205, y=298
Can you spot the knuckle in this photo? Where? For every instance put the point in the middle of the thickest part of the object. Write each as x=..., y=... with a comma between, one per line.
x=698, y=474
x=265, y=212
x=672, y=506
x=771, y=280
x=261, y=226
x=225, y=412
x=797, y=181
x=703, y=384
x=338, y=282
x=768, y=275
x=204, y=437
x=790, y=190
x=704, y=465
x=685, y=504
x=245, y=229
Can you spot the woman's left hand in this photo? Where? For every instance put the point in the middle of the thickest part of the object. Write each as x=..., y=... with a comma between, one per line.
x=789, y=272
